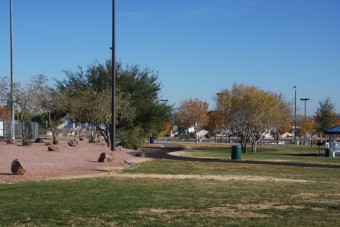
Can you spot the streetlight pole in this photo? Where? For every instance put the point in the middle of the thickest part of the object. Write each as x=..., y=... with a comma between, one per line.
x=113, y=48
x=295, y=116
x=12, y=71
x=305, y=100
x=219, y=95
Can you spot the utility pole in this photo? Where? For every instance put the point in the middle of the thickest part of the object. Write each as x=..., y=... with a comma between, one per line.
x=12, y=71
x=295, y=116
x=305, y=100
x=113, y=48
x=220, y=109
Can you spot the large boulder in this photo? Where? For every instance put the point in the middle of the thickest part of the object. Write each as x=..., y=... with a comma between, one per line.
x=72, y=143
x=38, y=140
x=106, y=157
x=11, y=141
x=53, y=148
x=17, y=168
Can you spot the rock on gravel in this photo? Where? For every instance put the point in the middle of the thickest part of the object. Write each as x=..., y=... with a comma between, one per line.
x=69, y=162
x=17, y=168
x=73, y=143
x=53, y=148
x=106, y=157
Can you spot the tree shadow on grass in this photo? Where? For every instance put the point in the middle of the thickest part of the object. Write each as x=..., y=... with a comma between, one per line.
x=307, y=155
x=100, y=170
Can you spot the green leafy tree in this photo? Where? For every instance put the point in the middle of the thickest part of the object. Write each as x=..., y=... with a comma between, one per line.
x=139, y=108
x=144, y=89
x=94, y=107
x=325, y=116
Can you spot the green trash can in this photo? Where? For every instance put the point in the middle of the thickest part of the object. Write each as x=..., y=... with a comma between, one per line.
x=236, y=152
x=328, y=152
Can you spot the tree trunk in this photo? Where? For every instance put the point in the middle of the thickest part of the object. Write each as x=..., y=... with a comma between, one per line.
x=253, y=146
x=54, y=136
x=96, y=134
x=196, y=136
x=93, y=134
x=79, y=133
x=105, y=134
x=108, y=135
x=23, y=136
x=243, y=145
x=215, y=136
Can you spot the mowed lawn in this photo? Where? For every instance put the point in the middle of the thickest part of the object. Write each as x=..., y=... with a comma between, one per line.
x=178, y=193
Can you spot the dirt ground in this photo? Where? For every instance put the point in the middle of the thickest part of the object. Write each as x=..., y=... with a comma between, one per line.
x=41, y=164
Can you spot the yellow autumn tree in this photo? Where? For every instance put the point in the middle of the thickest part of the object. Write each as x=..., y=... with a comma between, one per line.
x=215, y=122
x=252, y=112
x=4, y=113
x=308, y=126
x=192, y=113
x=283, y=128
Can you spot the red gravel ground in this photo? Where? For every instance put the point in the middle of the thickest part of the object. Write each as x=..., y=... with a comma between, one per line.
x=41, y=164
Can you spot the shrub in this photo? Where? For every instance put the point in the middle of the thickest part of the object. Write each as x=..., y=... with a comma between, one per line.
x=92, y=139
x=27, y=143
x=131, y=138
x=56, y=142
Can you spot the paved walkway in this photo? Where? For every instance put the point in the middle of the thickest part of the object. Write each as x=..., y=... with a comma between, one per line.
x=162, y=151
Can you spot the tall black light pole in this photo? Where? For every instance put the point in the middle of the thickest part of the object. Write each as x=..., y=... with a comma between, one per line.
x=295, y=116
x=219, y=95
x=113, y=48
x=12, y=71
x=305, y=100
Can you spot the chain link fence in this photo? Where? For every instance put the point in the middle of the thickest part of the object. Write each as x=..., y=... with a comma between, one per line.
x=31, y=127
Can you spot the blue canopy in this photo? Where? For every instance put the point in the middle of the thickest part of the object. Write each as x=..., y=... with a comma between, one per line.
x=334, y=130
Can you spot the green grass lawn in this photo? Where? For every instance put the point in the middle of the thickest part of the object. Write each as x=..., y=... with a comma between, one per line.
x=284, y=153
x=258, y=195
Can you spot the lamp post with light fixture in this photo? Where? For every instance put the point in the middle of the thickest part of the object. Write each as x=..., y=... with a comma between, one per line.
x=12, y=71
x=113, y=48
x=295, y=116
x=219, y=95
x=305, y=100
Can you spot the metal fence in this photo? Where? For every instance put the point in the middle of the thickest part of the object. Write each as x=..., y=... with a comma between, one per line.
x=31, y=127
x=1, y=129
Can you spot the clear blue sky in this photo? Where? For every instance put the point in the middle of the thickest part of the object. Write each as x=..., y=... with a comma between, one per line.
x=199, y=47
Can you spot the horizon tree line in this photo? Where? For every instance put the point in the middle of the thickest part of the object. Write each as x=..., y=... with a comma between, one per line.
x=85, y=95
